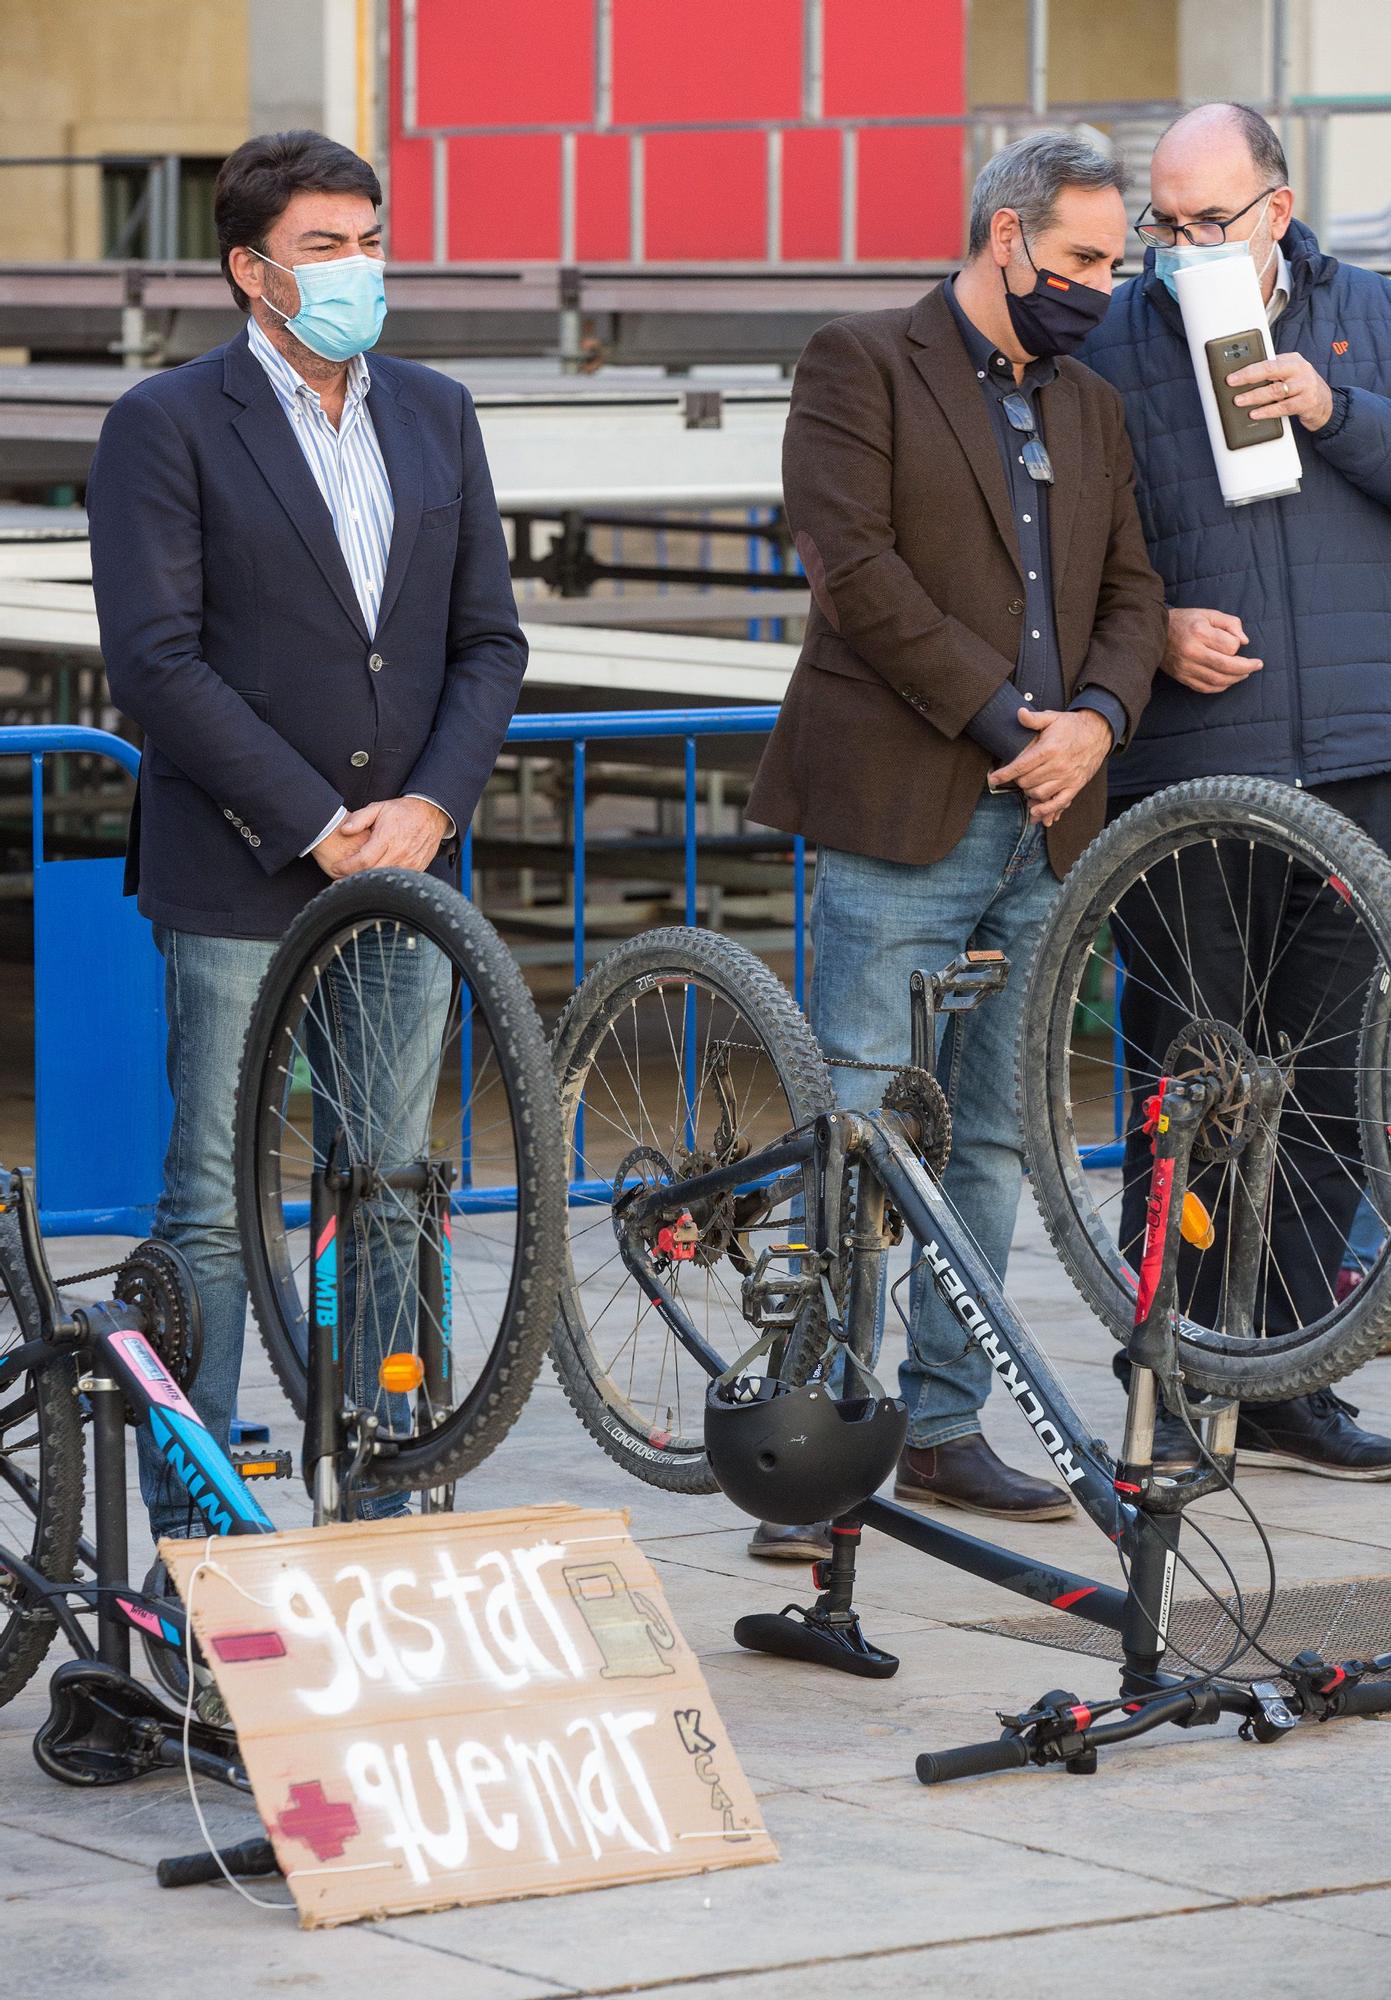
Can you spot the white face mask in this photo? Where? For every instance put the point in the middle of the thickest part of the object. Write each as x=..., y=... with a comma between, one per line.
x=1183, y=256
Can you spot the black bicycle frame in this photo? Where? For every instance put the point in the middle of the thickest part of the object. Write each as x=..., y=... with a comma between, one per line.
x=837, y=1141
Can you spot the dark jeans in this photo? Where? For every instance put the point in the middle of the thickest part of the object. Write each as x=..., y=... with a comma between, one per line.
x=1322, y=967
x=379, y=1061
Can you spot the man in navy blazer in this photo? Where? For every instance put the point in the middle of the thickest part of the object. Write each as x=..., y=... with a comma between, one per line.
x=303, y=590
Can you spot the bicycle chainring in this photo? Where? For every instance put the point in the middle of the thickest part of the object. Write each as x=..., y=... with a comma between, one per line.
x=916, y=1094
x=156, y=1281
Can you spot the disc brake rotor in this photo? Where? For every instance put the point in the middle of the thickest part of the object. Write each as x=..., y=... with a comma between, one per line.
x=1213, y=1048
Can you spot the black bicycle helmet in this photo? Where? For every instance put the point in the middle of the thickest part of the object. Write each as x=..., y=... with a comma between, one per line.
x=795, y=1455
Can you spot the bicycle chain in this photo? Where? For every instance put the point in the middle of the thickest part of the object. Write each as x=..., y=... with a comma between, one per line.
x=66, y=1283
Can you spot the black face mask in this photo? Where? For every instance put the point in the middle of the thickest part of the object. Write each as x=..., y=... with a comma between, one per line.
x=1057, y=315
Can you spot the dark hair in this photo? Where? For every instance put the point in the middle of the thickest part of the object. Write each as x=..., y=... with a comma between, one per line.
x=1030, y=175
x=1267, y=154
x=256, y=182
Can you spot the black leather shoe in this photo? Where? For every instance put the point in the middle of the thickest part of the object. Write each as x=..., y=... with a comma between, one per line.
x=1311, y=1434
x=966, y=1473
x=779, y=1544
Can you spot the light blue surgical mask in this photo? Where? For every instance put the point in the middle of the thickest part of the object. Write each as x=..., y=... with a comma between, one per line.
x=342, y=304
x=1178, y=257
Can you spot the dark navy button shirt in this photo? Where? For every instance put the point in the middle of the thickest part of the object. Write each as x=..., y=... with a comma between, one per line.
x=1038, y=675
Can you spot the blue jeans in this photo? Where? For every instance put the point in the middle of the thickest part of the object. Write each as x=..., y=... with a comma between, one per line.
x=379, y=1048
x=874, y=923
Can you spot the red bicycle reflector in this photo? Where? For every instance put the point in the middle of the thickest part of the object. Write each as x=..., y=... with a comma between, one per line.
x=234, y=1646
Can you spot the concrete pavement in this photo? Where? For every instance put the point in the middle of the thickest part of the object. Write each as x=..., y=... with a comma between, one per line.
x=1191, y=1863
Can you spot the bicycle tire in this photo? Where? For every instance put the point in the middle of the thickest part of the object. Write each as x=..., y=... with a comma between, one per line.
x=26, y=1632
x=1305, y=1359
x=1375, y=1062
x=745, y=983
x=479, y=1422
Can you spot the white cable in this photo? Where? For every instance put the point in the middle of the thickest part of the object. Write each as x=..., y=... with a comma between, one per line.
x=259, y=1901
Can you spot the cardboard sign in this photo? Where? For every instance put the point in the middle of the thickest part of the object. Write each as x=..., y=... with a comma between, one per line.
x=459, y=1708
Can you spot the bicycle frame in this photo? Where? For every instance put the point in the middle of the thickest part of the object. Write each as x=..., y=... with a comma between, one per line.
x=117, y=1369
x=836, y=1142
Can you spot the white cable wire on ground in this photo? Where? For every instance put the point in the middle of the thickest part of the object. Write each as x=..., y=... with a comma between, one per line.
x=207, y=1562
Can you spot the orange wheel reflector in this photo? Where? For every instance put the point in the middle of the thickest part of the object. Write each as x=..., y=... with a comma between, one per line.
x=1196, y=1227
x=400, y=1373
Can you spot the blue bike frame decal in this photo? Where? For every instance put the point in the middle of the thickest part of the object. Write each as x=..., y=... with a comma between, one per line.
x=213, y=1484
x=446, y=1290
x=326, y=1282
x=212, y=1481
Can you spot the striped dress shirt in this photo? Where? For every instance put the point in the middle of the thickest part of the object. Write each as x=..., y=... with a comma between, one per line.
x=347, y=465
x=350, y=473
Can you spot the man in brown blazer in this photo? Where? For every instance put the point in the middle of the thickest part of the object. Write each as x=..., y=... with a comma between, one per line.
x=984, y=631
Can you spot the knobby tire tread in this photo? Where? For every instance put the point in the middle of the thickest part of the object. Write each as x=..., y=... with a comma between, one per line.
x=26, y=1634
x=787, y=1038
x=506, y=1378
x=1364, y=1325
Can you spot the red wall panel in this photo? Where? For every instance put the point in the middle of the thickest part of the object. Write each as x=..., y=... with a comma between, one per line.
x=410, y=202
x=811, y=196
x=601, y=200
x=504, y=198
x=909, y=194
x=674, y=60
x=707, y=195
x=899, y=58
x=505, y=62
x=532, y=61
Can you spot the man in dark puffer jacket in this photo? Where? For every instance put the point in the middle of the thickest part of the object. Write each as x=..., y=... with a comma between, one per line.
x=1279, y=655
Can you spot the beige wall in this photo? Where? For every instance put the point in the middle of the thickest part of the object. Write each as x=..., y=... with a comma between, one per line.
x=1122, y=49
x=86, y=76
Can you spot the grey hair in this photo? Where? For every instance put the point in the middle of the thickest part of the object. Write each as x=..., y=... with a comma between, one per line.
x=1267, y=154
x=1030, y=175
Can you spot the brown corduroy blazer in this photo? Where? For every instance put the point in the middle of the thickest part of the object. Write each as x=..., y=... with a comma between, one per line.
x=897, y=499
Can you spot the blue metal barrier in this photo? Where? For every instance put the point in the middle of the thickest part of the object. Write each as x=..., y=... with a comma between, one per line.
x=102, y=1101
x=102, y=1106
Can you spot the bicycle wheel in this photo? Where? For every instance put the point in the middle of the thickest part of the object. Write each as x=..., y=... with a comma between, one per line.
x=394, y=1037
x=41, y=1474
x=1217, y=893
x=679, y=1053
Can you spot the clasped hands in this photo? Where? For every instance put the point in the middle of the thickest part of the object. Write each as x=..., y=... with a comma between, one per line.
x=390, y=833
x=1071, y=746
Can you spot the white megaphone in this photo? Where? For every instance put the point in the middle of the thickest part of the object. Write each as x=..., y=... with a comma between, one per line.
x=1224, y=319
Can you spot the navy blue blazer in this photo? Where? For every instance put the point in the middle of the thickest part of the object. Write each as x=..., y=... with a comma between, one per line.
x=232, y=634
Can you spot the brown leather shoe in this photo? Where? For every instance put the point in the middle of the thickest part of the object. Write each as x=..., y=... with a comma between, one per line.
x=966, y=1473
x=809, y=1544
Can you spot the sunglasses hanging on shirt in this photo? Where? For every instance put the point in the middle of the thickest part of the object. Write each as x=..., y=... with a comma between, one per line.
x=1037, y=463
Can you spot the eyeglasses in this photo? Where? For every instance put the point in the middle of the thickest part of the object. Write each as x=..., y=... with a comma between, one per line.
x=1037, y=463
x=1202, y=235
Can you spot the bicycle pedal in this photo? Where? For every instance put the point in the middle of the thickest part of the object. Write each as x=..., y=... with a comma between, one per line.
x=263, y=1464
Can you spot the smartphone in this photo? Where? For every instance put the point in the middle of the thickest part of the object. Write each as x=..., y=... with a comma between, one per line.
x=1224, y=357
